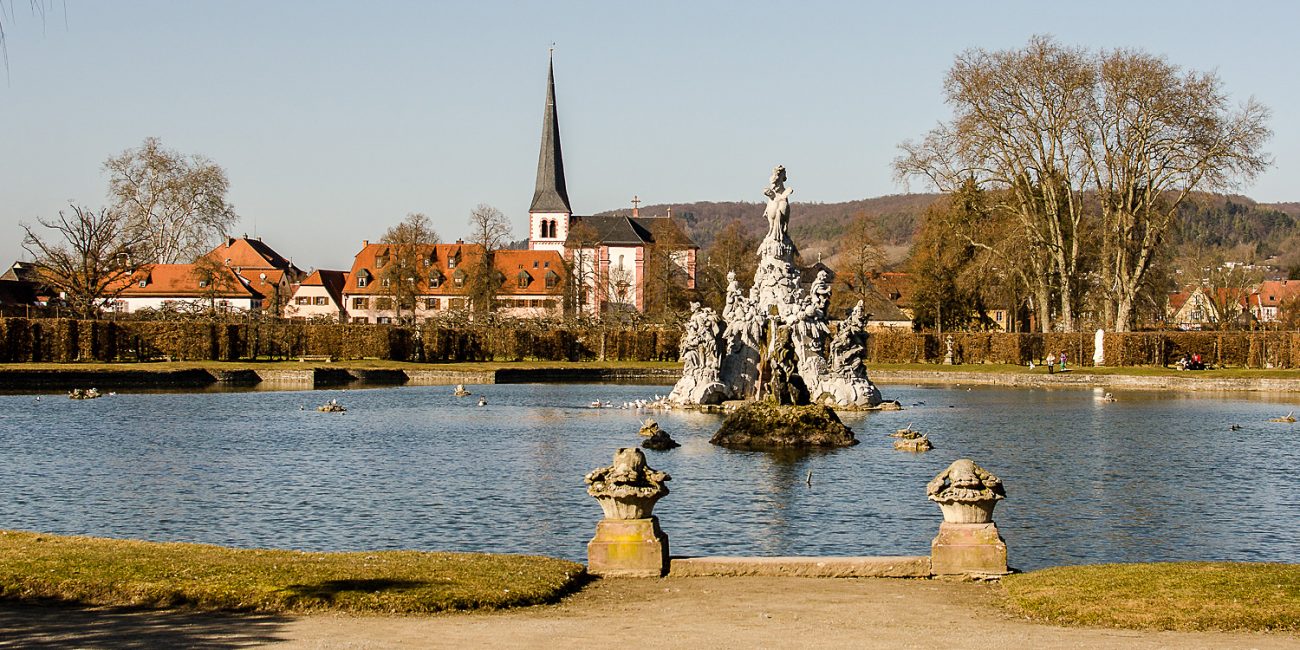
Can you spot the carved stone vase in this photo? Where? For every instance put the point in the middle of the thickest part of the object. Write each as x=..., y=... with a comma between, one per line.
x=628, y=540
x=968, y=542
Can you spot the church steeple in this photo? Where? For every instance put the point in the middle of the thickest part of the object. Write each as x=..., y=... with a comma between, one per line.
x=550, y=194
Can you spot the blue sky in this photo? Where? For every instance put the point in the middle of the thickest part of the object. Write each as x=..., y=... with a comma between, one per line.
x=335, y=119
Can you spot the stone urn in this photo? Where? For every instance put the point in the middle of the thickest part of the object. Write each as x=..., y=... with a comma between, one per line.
x=966, y=493
x=629, y=488
x=968, y=542
x=628, y=540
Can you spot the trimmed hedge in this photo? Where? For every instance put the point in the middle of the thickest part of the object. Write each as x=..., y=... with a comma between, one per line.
x=61, y=340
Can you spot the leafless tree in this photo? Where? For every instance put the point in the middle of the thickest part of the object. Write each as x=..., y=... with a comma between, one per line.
x=860, y=257
x=214, y=279
x=490, y=229
x=407, y=263
x=175, y=203
x=1159, y=134
x=87, y=257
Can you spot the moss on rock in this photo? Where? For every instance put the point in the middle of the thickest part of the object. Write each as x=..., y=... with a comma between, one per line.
x=765, y=425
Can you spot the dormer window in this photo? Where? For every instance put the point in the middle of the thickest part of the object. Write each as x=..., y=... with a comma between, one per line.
x=363, y=278
x=534, y=263
x=386, y=282
x=435, y=280
x=143, y=282
x=203, y=283
x=552, y=279
x=459, y=278
x=453, y=260
x=524, y=279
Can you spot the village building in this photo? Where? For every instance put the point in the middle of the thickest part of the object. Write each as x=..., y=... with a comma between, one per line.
x=607, y=254
x=183, y=287
x=1267, y=301
x=319, y=296
x=265, y=270
x=531, y=282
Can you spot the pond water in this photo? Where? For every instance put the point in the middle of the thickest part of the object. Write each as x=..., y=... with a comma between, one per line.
x=1153, y=476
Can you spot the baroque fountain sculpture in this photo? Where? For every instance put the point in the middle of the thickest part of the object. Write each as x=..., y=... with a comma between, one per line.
x=775, y=341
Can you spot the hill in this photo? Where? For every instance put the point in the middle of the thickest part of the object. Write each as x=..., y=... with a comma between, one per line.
x=1226, y=222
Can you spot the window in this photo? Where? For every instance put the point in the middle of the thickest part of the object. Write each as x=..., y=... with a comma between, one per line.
x=381, y=261
x=203, y=283
x=534, y=263
x=383, y=320
x=524, y=279
x=552, y=279
x=459, y=279
x=142, y=283
x=362, y=280
x=361, y=303
x=435, y=280
x=360, y=319
x=322, y=300
x=386, y=282
x=453, y=260
x=545, y=265
x=302, y=300
x=431, y=303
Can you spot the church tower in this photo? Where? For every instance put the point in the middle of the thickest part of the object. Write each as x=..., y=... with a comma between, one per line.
x=548, y=216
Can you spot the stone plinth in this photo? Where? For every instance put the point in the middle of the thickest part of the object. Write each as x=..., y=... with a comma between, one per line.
x=630, y=548
x=968, y=549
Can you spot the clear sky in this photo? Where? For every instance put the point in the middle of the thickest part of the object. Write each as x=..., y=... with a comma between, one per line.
x=335, y=119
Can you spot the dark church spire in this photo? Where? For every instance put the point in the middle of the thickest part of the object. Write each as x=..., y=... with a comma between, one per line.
x=550, y=195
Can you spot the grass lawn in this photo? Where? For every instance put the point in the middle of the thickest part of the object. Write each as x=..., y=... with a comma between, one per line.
x=1162, y=596
x=37, y=567
x=1132, y=371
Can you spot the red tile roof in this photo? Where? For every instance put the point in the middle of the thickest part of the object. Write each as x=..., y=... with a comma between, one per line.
x=332, y=281
x=181, y=281
x=439, y=257
x=245, y=253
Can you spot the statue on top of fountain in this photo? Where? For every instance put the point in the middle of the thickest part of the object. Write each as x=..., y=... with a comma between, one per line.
x=751, y=349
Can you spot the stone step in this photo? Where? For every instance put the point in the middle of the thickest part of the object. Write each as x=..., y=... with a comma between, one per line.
x=809, y=567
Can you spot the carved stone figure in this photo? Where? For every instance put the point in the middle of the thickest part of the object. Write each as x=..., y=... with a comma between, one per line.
x=947, y=357
x=777, y=242
x=628, y=489
x=628, y=540
x=966, y=492
x=777, y=319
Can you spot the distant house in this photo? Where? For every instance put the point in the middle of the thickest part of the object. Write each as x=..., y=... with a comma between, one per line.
x=1265, y=302
x=23, y=285
x=1199, y=308
x=531, y=281
x=265, y=270
x=183, y=286
x=320, y=295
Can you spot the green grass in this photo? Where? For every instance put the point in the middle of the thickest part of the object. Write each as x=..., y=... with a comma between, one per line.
x=1162, y=596
x=37, y=567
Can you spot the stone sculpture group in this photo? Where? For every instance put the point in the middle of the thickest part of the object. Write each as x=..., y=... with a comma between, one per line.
x=776, y=340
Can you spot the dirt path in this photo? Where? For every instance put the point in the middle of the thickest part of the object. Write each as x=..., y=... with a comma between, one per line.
x=693, y=613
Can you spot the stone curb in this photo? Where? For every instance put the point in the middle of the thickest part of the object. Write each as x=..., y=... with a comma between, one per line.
x=805, y=567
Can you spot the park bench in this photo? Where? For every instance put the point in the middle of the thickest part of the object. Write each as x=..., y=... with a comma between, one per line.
x=323, y=358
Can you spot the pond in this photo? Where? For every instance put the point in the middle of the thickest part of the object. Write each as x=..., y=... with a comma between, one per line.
x=1150, y=477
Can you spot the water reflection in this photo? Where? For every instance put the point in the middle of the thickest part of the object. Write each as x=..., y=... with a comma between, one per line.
x=1150, y=476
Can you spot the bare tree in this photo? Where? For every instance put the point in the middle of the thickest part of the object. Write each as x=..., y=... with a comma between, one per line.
x=176, y=204
x=1159, y=134
x=1016, y=126
x=88, y=258
x=581, y=268
x=214, y=279
x=407, y=263
x=666, y=284
x=860, y=257
x=490, y=229
x=732, y=250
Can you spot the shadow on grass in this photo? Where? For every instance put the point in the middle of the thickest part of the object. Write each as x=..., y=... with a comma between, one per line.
x=68, y=626
x=327, y=591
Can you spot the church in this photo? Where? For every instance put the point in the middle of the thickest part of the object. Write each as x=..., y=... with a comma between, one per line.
x=608, y=254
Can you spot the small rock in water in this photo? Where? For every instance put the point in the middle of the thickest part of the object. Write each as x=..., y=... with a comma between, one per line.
x=658, y=439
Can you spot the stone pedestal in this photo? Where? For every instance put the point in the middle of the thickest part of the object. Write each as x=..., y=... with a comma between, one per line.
x=968, y=549
x=632, y=548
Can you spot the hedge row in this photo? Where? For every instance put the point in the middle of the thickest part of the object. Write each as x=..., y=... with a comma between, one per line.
x=59, y=339
x=24, y=340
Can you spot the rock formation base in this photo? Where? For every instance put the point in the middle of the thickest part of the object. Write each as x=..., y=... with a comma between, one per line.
x=765, y=425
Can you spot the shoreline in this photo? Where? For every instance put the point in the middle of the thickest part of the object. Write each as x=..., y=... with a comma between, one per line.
x=297, y=376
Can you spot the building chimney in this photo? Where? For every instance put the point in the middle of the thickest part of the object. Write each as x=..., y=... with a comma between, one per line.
x=365, y=242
